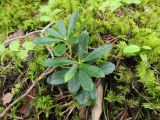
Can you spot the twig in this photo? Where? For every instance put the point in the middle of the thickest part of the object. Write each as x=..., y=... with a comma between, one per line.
x=47, y=26
x=70, y=57
x=7, y=42
x=49, y=50
x=42, y=76
x=97, y=108
x=69, y=113
x=10, y=40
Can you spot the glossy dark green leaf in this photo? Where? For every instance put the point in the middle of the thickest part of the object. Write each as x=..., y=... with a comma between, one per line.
x=72, y=22
x=83, y=44
x=92, y=70
x=42, y=41
x=108, y=68
x=56, y=78
x=98, y=52
x=59, y=49
x=55, y=62
x=73, y=84
x=72, y=40
x=61, y=28
x=93, y=93
x=83, y=97
x=54, y=33
x=70, y=73
x=85, y=80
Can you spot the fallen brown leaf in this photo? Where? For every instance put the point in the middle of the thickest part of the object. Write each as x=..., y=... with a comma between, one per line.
x=7, y=98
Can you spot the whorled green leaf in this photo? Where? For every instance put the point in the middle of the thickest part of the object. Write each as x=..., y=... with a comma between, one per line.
x=70, y=73
x=98, y=52
x=83, y=97
x=72, y=22
x=93, y=93
x=55, y=62
x=61, y=28
x=83, y=44
x=57, y=78
x=54, y=33
x=108, y=68
x=92, y=70
x=72, y=40
x=73, y=84
x=28, y=45
x=131, y=49
x=14, y=46
x=2, y=48
x=43, y=41
x=59, y=49
x=85, y=80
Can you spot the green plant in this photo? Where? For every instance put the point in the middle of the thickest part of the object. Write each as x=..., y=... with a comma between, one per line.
x=16, y=89
x=77, y=65
x=43, y=103
x=114, y=4
x=48, y=12
x=21, y=51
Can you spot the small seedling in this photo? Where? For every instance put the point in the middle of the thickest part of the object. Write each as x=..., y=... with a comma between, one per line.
x=76, y=66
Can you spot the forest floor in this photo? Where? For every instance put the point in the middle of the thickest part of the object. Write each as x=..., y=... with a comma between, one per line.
x=40, y=67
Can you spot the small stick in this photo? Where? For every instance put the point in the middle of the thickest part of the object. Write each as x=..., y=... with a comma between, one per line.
x=10, y=40
x=7, y=42
x=42, y=76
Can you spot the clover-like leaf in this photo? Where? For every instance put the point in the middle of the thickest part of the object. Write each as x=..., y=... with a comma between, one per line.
x=28, y=45
x=70, y=73
x=98, y=52
x=14, y=46
x=22, y=54
x=131, y=49
x=55, y=62
x=85, y=80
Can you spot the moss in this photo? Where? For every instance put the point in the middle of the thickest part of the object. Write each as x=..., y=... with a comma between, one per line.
x=18, y=14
